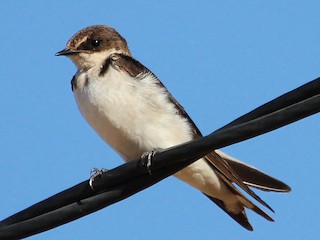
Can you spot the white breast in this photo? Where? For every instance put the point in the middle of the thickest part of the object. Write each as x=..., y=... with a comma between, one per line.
x=135, y=116
x=132, y=115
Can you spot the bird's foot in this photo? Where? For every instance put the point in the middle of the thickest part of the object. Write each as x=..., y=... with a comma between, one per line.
x=147, y=156
x=94, y=173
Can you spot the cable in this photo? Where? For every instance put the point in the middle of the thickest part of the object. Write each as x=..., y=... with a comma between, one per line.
x=134, y=176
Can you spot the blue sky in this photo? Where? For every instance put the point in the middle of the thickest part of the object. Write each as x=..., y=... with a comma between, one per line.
x=220, y=59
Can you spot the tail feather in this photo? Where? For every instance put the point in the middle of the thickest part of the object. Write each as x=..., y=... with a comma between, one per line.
x=240, y=217
x=245, y=202
x=221, y=166
x=254, y=177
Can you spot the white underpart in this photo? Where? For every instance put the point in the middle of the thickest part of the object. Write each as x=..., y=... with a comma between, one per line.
x=135, y=116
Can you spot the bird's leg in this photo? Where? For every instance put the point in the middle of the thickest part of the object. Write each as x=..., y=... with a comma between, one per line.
x=94, y=173
x=147, y=157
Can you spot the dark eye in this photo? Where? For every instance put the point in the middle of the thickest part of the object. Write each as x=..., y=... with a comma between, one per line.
x=95, y=43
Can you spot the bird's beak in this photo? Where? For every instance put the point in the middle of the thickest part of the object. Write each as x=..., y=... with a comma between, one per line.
x=66, y=52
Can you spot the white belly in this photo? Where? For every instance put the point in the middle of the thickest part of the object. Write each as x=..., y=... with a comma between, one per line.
x=135, y=116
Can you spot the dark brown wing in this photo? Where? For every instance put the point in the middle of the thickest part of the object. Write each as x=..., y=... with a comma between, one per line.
x=124, y=63
x=216, y=161
x=254, y=177
x=223, y=167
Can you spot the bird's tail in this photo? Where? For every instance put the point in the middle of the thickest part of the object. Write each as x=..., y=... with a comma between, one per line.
x=240, y=215
x=230, y=170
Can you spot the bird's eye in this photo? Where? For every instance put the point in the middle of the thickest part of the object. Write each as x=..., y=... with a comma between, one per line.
x=95, y=43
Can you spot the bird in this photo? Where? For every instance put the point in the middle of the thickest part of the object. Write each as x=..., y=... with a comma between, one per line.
x=134, y=113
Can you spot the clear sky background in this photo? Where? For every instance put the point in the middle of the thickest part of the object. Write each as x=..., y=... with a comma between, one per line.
x=220, y=59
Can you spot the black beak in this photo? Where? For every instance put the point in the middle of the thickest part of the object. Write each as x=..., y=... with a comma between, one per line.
x=66, y=52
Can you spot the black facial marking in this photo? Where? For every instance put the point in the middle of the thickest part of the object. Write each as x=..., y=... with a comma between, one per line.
x=92, y=44
x=73, y=83
x=95, y=43
x=105, y=67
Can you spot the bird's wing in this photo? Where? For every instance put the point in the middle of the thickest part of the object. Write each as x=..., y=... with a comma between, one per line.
x=124, y=63
x=254, y=177
x=229, y=169
x=220, y=165
x=235, y=171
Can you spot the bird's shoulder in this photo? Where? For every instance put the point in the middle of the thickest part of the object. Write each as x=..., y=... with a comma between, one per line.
x=138, y=71
x=124, y=63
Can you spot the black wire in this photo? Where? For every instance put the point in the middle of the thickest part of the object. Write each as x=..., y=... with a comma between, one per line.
x=132, y=177
x=301, y=93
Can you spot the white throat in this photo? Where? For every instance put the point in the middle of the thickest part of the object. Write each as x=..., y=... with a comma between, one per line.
x=84, y=61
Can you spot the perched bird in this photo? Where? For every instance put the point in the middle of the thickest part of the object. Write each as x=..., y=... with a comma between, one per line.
x=133, y=112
